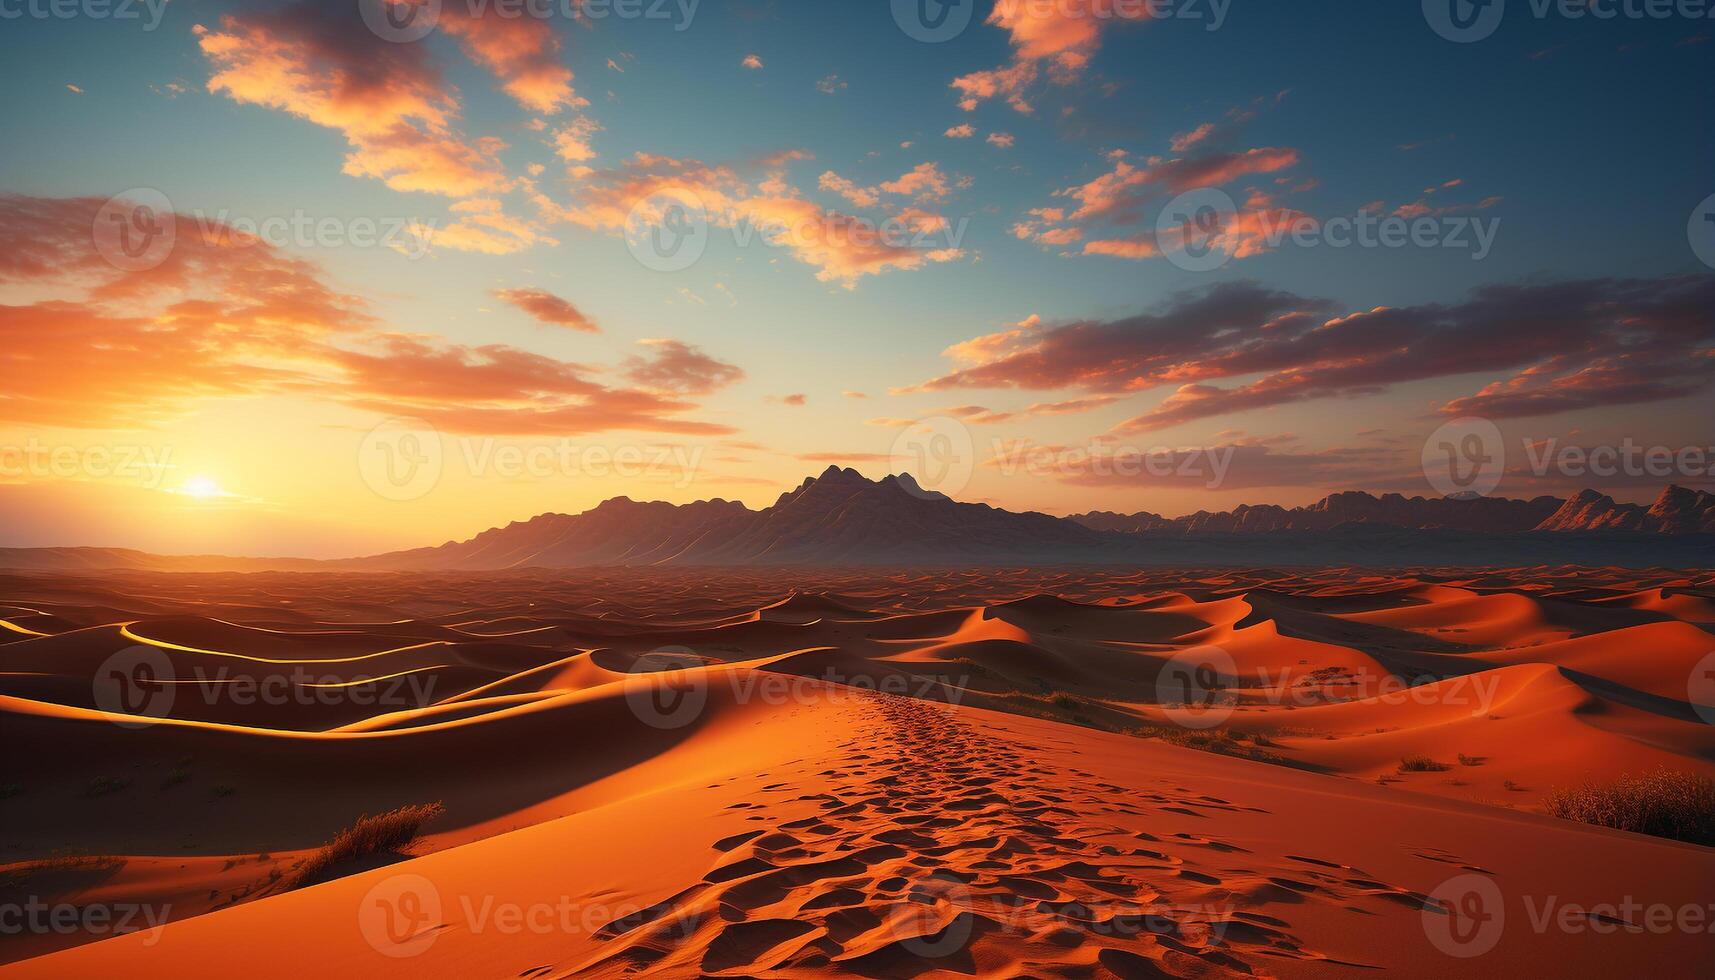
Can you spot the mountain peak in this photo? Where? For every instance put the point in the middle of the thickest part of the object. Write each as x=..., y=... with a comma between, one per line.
x=839, y=474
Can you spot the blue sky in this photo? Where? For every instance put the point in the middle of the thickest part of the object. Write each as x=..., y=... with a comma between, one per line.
x=1587, y=141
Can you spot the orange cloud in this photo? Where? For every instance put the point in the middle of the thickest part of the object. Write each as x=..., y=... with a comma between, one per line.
x=482, y=226
x=523, y=52
x=924, y=181
x=680, y=367
x=572, y=141
x=842, y=248
x=320, y=63
x=1185, y=141
x=1118, y=196
x=1567, y=345
x=548, y=308
x=863, y=197
x=229, y=316
x=1062, y=35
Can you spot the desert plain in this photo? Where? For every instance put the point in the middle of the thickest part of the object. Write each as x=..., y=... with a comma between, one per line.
x=1074, y=772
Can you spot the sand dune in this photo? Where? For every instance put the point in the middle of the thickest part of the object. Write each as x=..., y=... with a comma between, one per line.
x=1064, y=772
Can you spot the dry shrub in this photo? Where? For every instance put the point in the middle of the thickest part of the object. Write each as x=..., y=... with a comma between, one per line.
x=384, y=833
x=1664, y=803
x=1422, y=763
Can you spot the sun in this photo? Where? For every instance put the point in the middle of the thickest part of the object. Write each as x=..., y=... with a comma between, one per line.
x=202, y=488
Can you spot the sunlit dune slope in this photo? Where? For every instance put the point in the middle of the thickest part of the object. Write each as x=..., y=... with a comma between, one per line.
x=878, y=836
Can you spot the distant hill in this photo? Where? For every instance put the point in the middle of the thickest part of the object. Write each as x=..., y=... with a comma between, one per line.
x=1351, y=507
x=842, y=518
x=1677, y=511
x=838, y=517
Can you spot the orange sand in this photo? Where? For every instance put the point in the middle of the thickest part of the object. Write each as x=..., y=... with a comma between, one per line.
x=694, y=773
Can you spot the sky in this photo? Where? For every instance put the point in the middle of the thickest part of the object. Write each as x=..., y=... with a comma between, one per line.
x=331, y=278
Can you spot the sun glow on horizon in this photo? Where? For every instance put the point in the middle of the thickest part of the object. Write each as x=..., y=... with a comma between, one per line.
x=202, y=488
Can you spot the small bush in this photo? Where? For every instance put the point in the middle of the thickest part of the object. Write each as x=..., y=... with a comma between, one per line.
x=1422, y=763
x=222, y=791
x=1066, y=702
x=1676, y=805
x=384, y=833
x=1221, y=741
x=105, y=785
x=1470, y=760
x=9, y=790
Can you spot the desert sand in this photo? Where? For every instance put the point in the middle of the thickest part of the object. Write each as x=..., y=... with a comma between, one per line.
x=1070, y=772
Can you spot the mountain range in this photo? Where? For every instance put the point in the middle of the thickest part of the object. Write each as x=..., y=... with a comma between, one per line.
x=1677, y=510
x=843, y=518
x=839, y=517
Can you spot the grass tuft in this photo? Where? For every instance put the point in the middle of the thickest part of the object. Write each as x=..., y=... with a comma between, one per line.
x=1665, y=803
x=105, y=786
x=384, y=833
x=1422, y=763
